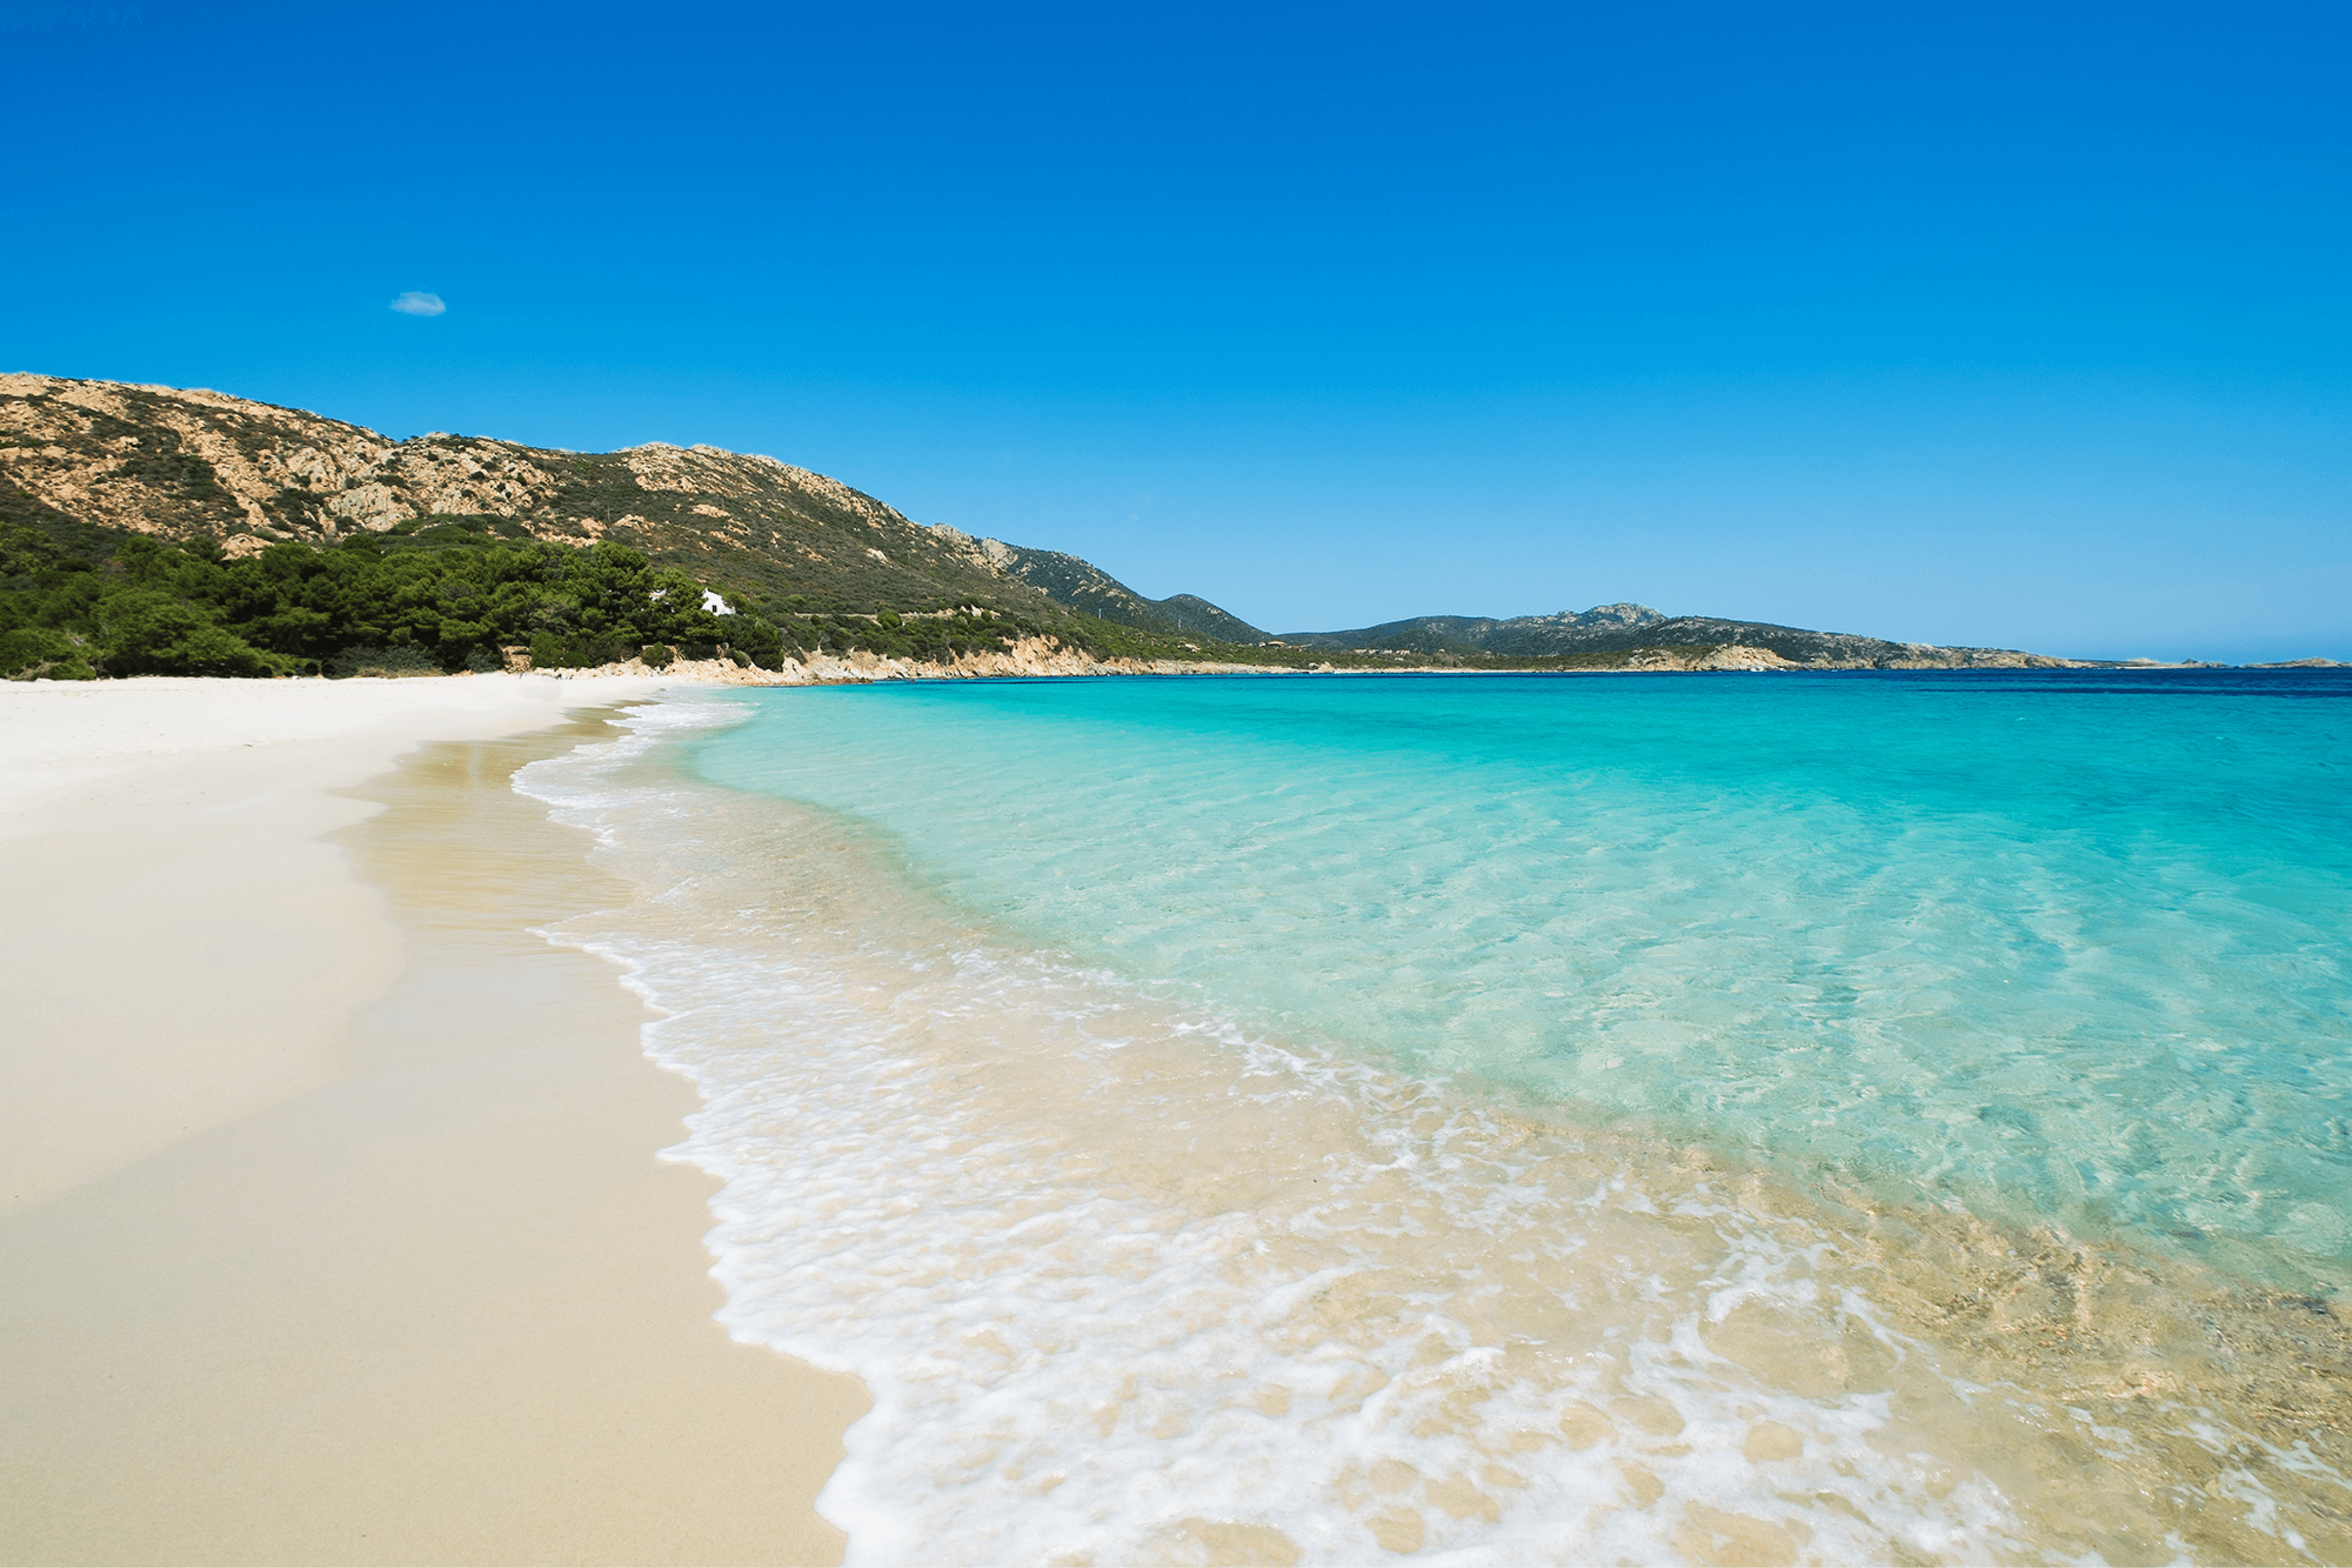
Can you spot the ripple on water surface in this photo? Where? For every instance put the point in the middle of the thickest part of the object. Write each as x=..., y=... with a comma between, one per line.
x=1219, y=1134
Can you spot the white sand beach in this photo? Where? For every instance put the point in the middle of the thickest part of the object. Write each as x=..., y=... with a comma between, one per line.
x=331, y=1229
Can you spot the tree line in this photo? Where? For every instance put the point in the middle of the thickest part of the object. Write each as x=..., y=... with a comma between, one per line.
x=378, y=605
x=153, y=608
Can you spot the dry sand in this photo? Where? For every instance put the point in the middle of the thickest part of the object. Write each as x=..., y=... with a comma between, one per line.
x=330, y=1226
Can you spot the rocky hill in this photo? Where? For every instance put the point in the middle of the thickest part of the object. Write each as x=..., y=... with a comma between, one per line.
x=91, y=458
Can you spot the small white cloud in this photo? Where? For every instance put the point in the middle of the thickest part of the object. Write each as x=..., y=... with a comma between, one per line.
x=417, y=303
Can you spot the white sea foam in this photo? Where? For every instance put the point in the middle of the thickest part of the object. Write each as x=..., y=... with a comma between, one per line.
x=1131, y=1283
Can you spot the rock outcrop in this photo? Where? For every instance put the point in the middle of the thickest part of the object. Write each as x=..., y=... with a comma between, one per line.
x=1031, y=656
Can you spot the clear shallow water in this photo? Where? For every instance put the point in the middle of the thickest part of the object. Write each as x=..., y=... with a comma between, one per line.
x=2074, y=947
x=1518, y=1119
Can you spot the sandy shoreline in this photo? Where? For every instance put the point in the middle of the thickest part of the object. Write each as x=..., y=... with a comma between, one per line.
x=331, y=1228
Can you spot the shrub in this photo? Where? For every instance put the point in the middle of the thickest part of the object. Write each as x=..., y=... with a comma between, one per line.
x=39, y=653
x=151, y=631
x=381, y=662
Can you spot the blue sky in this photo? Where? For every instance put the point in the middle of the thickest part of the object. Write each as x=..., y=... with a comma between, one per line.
x=2016, y=325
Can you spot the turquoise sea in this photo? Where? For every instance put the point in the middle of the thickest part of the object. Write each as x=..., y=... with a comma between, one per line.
x=1519, y=1118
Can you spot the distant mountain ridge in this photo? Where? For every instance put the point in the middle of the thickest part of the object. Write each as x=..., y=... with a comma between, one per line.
x=1434, y=634
x=89, y=462
x=1083, y=585
x=1630, y=629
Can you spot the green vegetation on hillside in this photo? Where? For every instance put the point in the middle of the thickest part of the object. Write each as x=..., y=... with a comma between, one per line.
x=150, y=608
x=433, y=595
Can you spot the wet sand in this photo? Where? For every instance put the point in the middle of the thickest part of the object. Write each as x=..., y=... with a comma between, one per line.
x=334, y=1231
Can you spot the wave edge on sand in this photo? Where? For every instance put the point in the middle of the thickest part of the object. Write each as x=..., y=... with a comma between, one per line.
x=1131, y=1281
